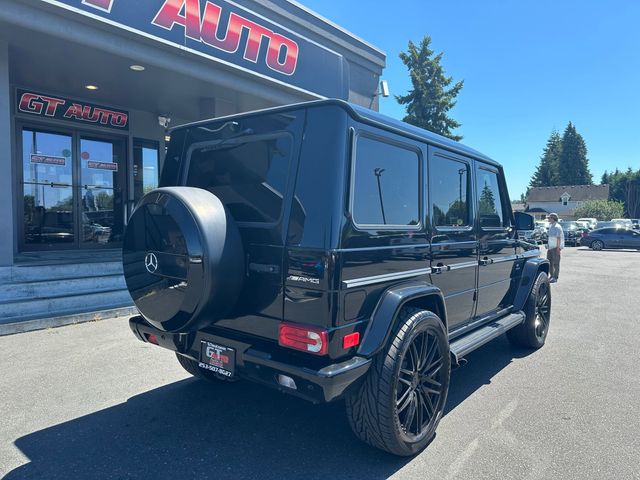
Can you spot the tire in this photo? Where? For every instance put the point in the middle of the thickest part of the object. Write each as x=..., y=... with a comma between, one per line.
x=192, y=367
x=395, y=409
x=533, y=332
x=597, y=245
x=183, y=259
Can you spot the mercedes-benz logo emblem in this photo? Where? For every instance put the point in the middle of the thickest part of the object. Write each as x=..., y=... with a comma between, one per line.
x=151, y=262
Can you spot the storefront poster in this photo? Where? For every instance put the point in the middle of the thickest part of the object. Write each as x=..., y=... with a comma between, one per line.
x=228, y=33
x=61, y=108
x=103, y=165
x=48, y=159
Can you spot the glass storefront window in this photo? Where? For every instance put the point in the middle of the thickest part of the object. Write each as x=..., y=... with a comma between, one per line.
x=145, y=167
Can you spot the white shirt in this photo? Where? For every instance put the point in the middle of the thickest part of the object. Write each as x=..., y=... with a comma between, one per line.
x=555, y=234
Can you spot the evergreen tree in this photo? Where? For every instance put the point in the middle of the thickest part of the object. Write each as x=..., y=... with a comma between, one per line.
x=487, y=203
x=573, y=168
x=605, y=178
x=546, y=174
x=429, y=101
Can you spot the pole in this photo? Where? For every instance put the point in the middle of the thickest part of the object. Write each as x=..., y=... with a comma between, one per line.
x=378, y=173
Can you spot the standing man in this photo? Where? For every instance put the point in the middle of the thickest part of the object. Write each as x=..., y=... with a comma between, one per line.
x=555, y=244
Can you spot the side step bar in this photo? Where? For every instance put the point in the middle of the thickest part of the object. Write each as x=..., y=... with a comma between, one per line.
x=476, y=338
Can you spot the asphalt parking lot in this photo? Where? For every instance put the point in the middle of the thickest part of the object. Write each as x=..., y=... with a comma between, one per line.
x=89, y=401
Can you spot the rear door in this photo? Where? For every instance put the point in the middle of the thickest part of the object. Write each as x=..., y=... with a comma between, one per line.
x=250, y=164
x=454, y=244
x=496, y=237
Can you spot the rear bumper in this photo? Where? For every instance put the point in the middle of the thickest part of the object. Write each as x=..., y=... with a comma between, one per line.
x=316, y=385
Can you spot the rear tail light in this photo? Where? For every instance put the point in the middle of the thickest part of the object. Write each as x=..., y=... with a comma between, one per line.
x=152, y=338
x=305, y=339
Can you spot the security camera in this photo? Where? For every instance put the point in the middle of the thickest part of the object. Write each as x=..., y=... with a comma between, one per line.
x=164, y=120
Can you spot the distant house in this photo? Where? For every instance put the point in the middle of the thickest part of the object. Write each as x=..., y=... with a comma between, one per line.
x=518, y=207
x=562, y=200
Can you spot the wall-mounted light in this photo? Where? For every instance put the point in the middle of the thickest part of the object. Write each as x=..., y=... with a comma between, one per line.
x=137, y=68
x=384, y=88
x=91, y=87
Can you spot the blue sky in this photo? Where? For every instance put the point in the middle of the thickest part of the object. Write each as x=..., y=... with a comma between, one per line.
x=528, y=66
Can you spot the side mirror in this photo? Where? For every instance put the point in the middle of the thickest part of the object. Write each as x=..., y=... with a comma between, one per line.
x=524, y=221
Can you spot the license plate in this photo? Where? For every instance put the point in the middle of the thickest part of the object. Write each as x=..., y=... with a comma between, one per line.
x=217, y=358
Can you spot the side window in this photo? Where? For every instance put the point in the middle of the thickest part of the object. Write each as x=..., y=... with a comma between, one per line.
x=385, y=185
x=449, y=185
x=490, y=208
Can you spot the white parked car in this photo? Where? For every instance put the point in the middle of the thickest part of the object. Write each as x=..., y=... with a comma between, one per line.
x=591, y=221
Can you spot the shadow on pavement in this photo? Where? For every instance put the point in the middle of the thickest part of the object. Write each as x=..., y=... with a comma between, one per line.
x=192, y=429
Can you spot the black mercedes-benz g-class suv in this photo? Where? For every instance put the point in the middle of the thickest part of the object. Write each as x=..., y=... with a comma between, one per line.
x=332, y=252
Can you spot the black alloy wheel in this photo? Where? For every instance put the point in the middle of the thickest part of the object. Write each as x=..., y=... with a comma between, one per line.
x=597, y=245
x=532, y=333
x=419, y=385
x=402, y=399
x=542, y=311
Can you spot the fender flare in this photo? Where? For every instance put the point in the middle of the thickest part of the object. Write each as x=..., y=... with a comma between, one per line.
x=528, y=277
x=384, y=315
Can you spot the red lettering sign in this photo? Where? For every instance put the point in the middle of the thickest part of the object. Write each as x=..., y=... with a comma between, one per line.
x=282, y=52
x=48, y=106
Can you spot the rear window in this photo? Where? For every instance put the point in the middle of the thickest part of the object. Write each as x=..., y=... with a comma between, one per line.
x=248, y=174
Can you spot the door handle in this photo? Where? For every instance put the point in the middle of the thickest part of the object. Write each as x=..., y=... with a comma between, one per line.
x=438, y=269
x=485, y=261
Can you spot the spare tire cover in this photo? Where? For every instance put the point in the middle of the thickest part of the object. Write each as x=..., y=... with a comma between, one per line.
x=183, y=259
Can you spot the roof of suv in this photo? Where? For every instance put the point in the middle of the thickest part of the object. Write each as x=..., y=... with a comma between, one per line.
x=365, y=115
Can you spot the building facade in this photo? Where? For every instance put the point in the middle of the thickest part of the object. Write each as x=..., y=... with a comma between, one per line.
x=88, y=89
x=562, y=200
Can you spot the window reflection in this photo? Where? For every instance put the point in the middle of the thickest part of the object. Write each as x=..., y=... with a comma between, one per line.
x=449, y=192
x=386, y=184
x=47, y=188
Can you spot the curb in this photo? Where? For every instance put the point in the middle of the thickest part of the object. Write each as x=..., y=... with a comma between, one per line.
x=54, y=322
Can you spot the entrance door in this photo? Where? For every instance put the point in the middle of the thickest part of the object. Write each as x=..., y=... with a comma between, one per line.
x=73, y=189
x=101, y=191
x=48, y=200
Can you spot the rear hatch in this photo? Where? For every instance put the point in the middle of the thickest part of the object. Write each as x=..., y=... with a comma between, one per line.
x=249, y=163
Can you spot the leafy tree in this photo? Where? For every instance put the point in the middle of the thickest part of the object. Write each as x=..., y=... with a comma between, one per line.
x=546, y=174
x=430, y=99
x=64, y=205
x=573, y=168
x=104, y=201
x=600, y=209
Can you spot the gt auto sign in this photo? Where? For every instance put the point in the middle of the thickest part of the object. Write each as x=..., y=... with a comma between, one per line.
x=49, y=106
x=226, y=32
x=282, y=52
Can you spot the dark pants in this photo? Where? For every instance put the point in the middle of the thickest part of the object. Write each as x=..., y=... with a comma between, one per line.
x=553, y=256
